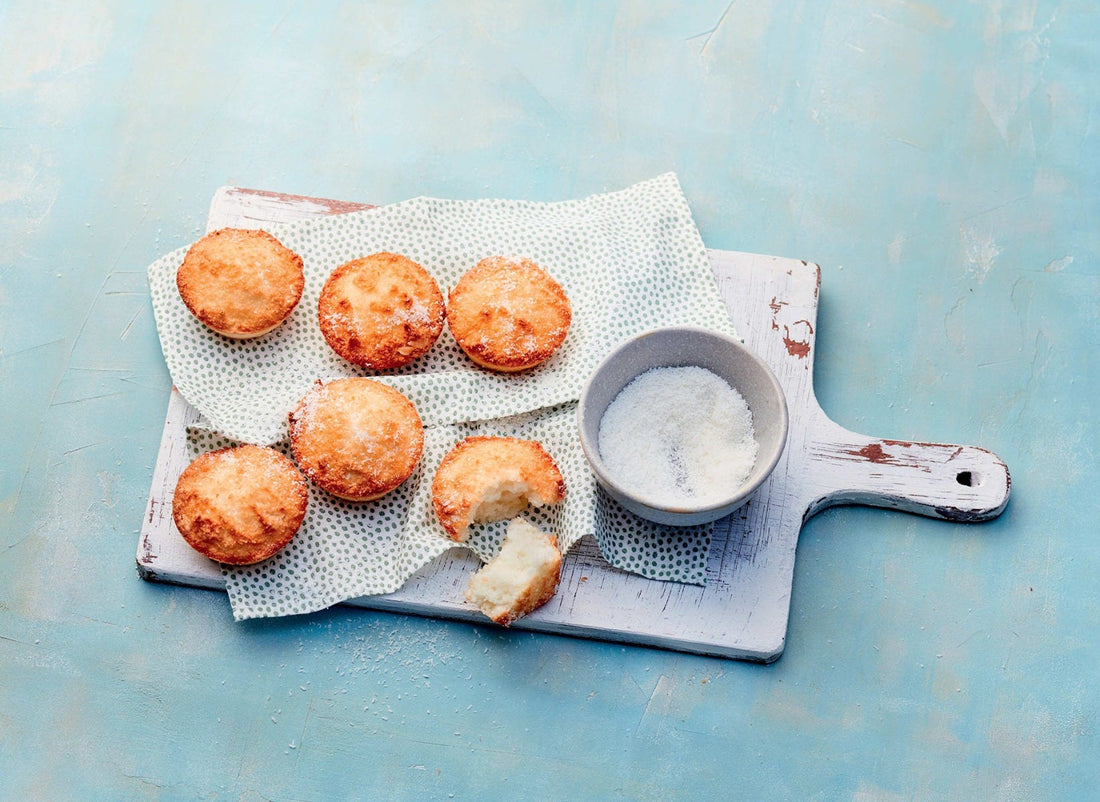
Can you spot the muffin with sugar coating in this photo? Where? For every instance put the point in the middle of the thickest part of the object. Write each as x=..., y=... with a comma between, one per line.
x=507, y=314
x=241, y=283
x=380, y=312
x=356, y=438
x=492, y=479
x=522, y=577
x=239, y=505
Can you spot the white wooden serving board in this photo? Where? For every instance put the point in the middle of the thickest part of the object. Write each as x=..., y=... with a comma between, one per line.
x=743, y=609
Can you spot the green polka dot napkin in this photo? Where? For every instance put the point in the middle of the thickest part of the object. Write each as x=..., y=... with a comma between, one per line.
x=630, y=261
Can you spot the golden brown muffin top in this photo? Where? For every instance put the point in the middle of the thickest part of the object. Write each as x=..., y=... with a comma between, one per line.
x=356, y=438
x=239, y=505
x=381, y=311
x=240, y=282
x=508, y=314
x=491, y=479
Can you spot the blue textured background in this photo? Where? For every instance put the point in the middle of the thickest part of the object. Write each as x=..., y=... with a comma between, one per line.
x=939, y=160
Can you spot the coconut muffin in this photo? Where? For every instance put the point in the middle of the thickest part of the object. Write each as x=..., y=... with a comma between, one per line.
x=241, y=283
x=239, y=505
x=522, y=577
x=380, y=312
x=507, y=314
x=492, y=479
x=356, y=438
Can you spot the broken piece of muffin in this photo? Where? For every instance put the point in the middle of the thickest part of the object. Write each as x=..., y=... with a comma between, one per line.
x=522, y=577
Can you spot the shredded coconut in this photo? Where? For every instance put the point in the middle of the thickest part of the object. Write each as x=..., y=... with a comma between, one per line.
x=678, y=436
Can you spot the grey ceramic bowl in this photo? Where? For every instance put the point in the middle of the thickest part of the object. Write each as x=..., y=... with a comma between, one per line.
x=676, y=347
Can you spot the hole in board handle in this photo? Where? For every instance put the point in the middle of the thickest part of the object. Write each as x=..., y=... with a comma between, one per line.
x=966, y=478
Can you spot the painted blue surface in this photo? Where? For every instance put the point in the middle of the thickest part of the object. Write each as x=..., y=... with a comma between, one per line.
x=939, y=160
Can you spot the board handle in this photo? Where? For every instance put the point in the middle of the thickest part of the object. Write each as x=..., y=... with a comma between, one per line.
x=951, y=482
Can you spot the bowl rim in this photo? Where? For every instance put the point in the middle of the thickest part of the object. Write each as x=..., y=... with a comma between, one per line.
x=760, y=470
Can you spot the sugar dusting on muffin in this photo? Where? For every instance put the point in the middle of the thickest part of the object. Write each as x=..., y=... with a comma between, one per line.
x=241, y=283
x=508, y=314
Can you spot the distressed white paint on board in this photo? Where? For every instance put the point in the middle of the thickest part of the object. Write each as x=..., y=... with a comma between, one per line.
x=742, y=611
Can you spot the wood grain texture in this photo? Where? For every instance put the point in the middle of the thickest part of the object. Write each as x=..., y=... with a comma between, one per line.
x=742, y=611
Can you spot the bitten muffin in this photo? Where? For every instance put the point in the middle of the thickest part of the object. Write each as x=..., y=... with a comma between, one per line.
x=380, y=312
x=356, y=438
x=522, y=577
x=240, y=282
x=239, y=505
x=508, y=314
x=491, y=479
